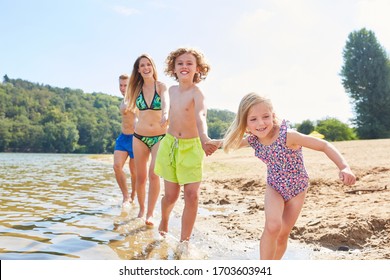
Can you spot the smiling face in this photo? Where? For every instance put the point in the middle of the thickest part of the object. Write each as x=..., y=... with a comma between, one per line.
x=145, y=68
x=185, y=66
x=260, y=120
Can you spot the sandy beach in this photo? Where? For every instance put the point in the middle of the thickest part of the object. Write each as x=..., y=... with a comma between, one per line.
x=337, y=221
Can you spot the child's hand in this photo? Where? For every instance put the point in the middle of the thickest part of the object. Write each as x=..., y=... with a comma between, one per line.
x=347, y=176
x=216, y=143
x=209, y=149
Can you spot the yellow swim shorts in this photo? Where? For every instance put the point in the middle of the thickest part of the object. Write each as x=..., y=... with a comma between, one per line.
x=180, y=160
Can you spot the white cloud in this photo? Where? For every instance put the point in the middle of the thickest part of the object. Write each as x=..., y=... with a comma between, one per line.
x=125, y=10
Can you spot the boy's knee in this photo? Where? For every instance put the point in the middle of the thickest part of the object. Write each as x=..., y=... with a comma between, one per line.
x=191, y=196
x=170, y=199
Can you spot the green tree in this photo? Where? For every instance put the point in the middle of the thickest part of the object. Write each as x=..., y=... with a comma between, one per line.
x=5, y=78
x=217, y=129
x=306, y=127
x=42, y=118
x=366, y=78
x=218, y=121
x=5, y=134
x=335, y=130
x=60, y=137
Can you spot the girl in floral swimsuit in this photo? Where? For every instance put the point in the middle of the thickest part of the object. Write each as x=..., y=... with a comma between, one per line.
x=287, y=180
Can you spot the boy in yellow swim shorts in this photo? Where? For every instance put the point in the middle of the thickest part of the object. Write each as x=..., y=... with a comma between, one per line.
x=180, y=156
x=184, y=162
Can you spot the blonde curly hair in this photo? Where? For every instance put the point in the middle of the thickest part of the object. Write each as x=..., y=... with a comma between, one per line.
x=202, y=65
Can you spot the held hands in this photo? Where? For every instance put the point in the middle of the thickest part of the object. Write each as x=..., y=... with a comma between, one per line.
x=211, y=146
x=216, y=143
x=347, y=176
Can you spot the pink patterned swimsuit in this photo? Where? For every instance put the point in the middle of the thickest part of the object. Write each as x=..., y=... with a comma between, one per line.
x=286, y=171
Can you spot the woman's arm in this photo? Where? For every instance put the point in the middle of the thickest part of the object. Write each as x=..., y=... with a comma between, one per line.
x=164, y=104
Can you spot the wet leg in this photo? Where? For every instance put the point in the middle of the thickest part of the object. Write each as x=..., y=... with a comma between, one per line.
x=120, y=176
x=191, y=200
x=172, y=192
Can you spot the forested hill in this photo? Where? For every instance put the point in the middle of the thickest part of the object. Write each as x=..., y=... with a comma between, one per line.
x=43, y=118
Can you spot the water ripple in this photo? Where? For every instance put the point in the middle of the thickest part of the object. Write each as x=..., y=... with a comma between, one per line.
x=68, y=207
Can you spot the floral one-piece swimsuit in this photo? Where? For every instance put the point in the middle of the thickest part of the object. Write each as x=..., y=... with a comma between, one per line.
x=286, y=172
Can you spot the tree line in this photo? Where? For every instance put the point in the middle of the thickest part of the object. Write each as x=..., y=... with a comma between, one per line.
x=44, y=119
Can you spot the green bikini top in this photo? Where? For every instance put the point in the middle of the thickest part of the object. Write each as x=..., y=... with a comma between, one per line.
x=141, y=104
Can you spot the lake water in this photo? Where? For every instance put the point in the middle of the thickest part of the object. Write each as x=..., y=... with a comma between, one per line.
x=56, y=206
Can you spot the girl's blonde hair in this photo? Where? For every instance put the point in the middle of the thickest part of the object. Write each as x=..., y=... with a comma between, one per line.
x=237, y=129
x=201, y=64
x=136, y=82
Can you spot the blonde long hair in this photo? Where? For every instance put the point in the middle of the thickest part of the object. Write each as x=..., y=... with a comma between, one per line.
x=237, y=129
x=136, y=82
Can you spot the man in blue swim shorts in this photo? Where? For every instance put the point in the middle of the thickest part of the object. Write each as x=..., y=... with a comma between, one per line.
x=124, y=147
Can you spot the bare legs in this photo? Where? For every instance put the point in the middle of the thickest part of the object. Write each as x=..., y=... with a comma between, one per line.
x=280, y=217
x=120, y=158
x=133, y=176
x=191, y=197
x=172, y=192
x=141, y=156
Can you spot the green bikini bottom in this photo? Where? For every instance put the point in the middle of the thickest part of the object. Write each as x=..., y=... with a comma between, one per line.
x=149, y=141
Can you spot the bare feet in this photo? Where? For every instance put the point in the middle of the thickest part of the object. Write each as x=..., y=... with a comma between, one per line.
x=149, y=222
x=163, y=229
x=182, y=251
x=132, y=196
x=140, y=214
x=125, y=205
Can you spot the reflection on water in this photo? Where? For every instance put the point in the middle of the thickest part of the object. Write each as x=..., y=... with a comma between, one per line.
x=68, y=207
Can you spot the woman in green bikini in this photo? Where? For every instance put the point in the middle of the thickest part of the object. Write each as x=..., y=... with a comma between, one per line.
x=145, y=96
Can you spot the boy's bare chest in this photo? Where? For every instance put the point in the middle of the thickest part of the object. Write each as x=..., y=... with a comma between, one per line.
x=183, y=103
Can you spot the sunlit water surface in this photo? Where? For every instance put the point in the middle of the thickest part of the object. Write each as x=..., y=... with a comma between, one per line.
x=56, y=206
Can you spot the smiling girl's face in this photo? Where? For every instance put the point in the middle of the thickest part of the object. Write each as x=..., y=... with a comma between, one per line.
x=260, y=120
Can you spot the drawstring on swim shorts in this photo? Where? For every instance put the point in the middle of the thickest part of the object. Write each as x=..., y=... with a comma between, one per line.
x=174, y=146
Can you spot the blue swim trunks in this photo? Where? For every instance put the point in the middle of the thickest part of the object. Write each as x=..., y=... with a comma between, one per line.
x=124, y=142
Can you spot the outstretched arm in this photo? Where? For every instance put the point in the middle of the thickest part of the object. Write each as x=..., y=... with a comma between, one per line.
x=201, y=123
x=219, y=142
x=296, y=139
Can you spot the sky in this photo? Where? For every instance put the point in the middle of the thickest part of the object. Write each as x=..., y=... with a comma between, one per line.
x=289, y=51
